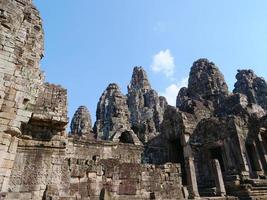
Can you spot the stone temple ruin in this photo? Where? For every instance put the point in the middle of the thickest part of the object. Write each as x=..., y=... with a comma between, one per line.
x=212, y=145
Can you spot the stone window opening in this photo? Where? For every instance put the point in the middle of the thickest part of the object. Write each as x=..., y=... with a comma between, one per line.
x=25, y=102
x=152, y=195
x=126, y=138
x=96, y=158
x=102, y=194
x=146, y=102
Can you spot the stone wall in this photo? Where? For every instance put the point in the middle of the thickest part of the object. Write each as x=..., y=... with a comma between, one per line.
x=21, y=41
x=21, y=48
x=49, y=117
x=92, y=170
x=8, y=148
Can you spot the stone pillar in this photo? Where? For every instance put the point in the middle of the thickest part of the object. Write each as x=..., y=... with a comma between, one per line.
x=217, y=172
x=257, y=160
x=190, y=167
x=263, y=136
x=191, y=178
x=241, y=152
x=228, y=151
x=262, y=151
x=254, y=161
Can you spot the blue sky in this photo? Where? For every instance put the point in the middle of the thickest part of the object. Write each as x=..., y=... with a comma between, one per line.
x=91, y=43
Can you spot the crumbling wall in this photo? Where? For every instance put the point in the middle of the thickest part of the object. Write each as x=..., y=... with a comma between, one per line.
x=209, y=130
x=8, y=148
x=127, y=153
x=21, y=43
x=21, y=48
x=77, y=170
x=254, y=87
x=49, y=118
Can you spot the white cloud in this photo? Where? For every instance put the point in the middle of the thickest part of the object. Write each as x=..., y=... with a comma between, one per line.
x=172, y=90
x=163, y=62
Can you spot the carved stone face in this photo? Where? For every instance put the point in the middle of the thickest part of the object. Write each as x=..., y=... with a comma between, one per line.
x=206, y=80
x=81, y=122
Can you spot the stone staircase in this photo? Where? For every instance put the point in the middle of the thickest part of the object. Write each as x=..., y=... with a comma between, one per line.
x=209, y=193
x=252, y=190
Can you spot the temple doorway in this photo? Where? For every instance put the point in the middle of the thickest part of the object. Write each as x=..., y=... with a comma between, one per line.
x=216, y=153
x=176, y=155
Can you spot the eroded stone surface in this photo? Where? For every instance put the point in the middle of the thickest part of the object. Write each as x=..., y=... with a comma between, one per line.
x=49, y=118
x=81, y=122
x=145, y=106
x=212, y=143
x=90, y=172
x=224, y=128
x=21, y=48
x=206, y=81
x=206, y=89
x=21, y=41
x=112, y=113
x=254, y=87
x=113, y=117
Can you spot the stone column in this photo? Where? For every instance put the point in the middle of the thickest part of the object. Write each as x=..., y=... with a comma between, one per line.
x=191, y=178
x=190, y=167
x=262, y=151
x=228, y=150
x=217, y=172
x=257, y=160
x=241, y=152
